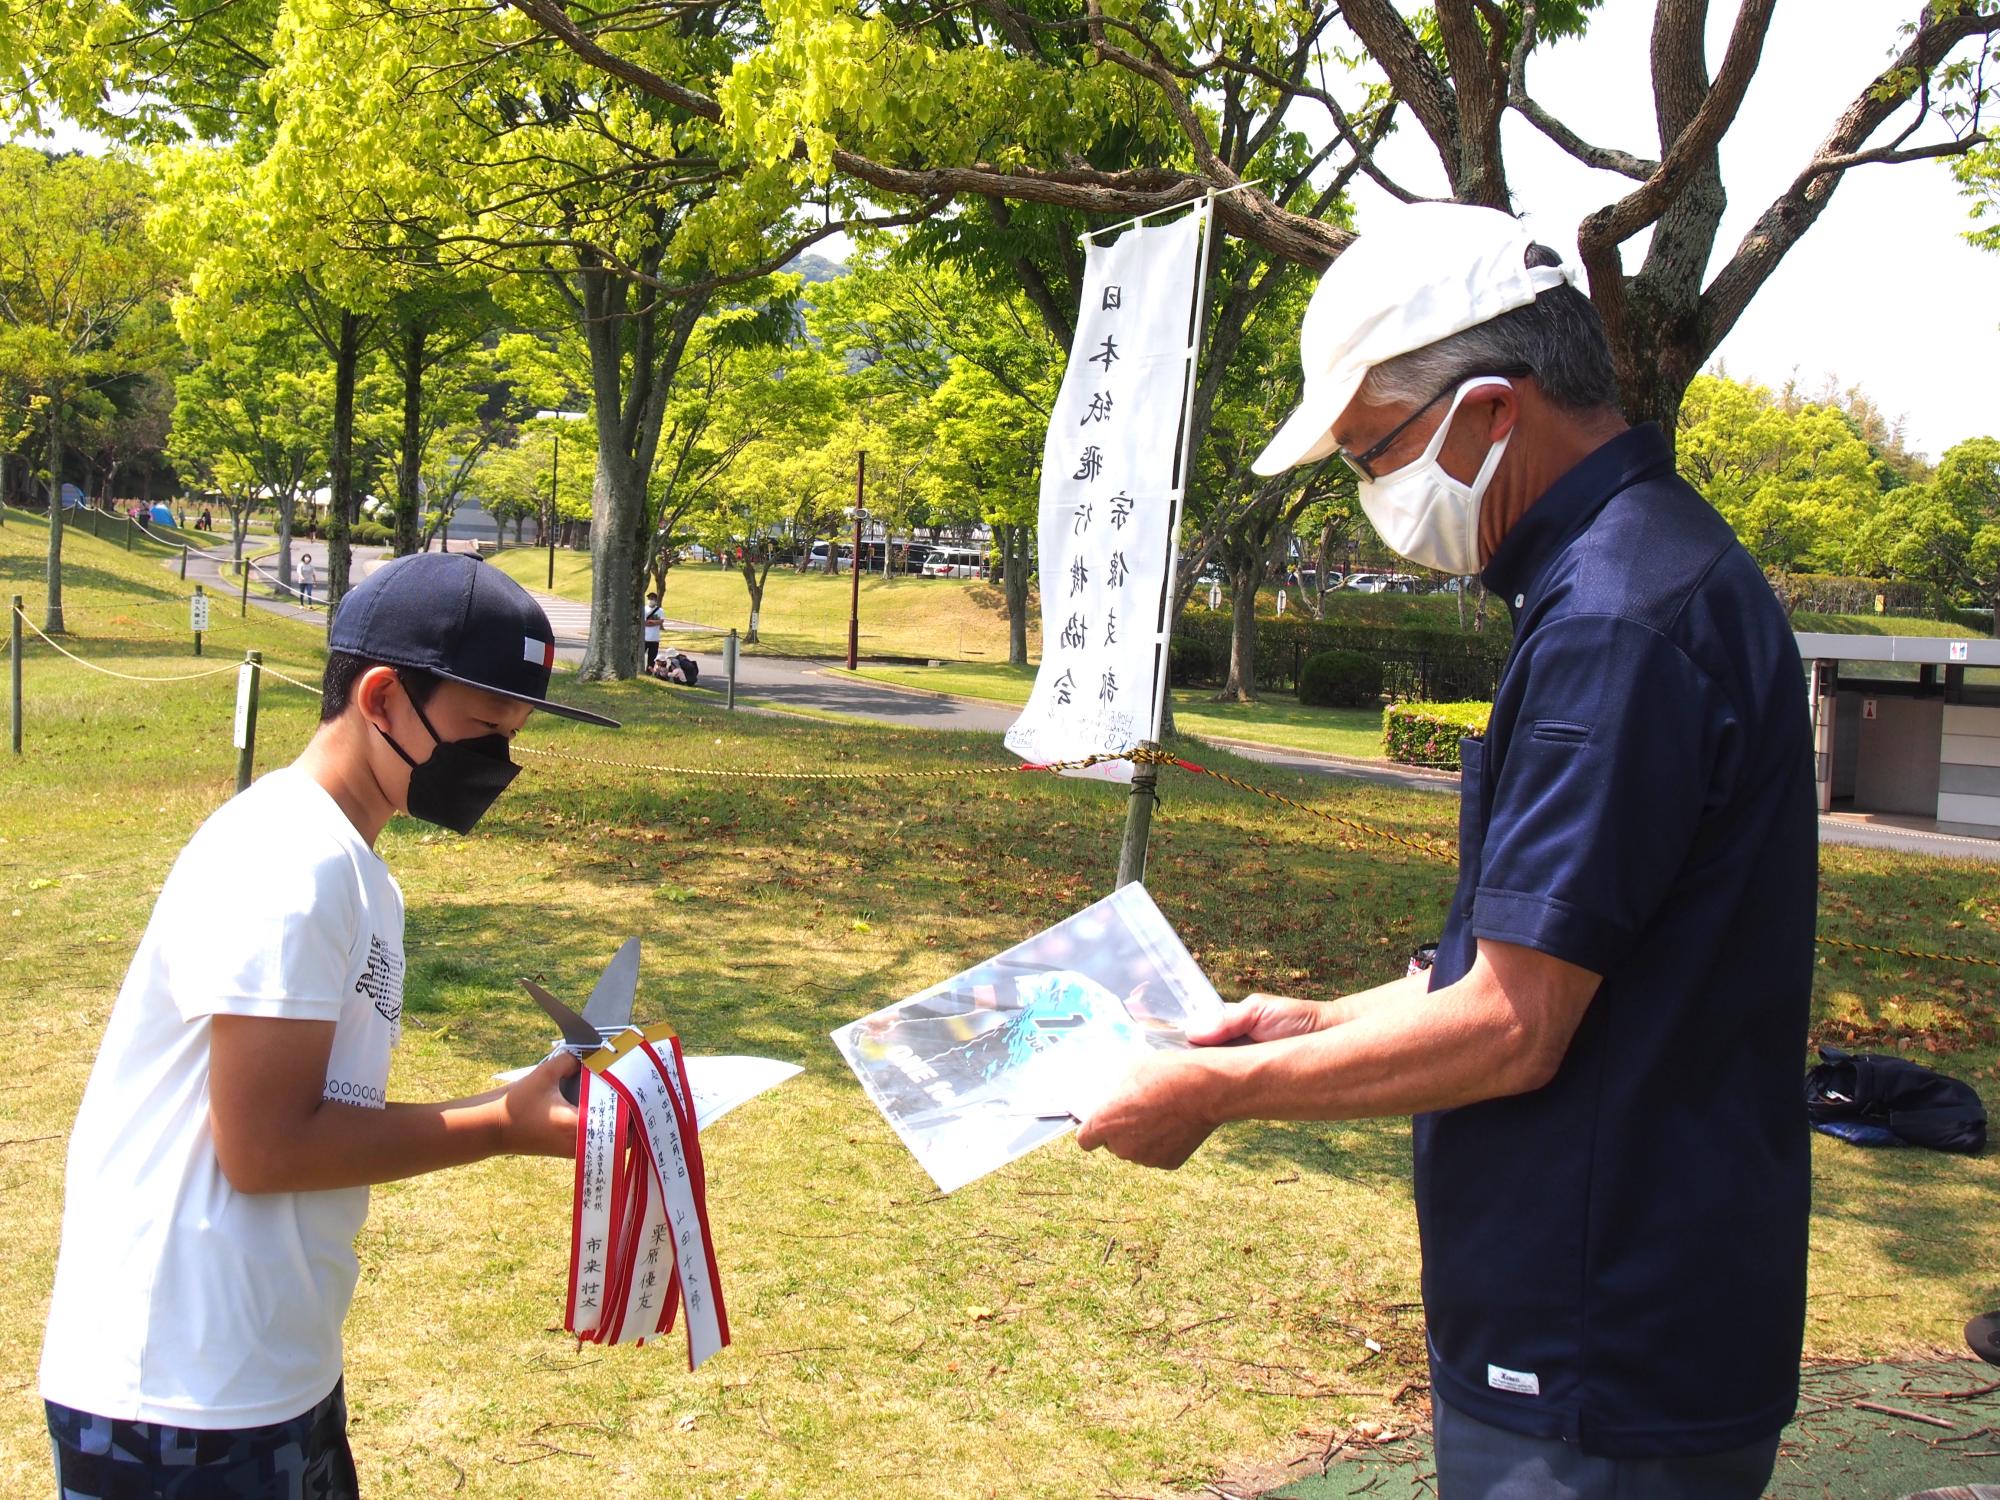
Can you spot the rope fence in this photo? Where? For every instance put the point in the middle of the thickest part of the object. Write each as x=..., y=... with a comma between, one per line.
x=1143, y=755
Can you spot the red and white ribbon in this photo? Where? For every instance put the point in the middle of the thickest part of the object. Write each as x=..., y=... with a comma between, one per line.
x=639, y=1238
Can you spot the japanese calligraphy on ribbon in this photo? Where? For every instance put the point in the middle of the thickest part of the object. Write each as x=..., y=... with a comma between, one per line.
x=1112, y=483
x=640, y=1248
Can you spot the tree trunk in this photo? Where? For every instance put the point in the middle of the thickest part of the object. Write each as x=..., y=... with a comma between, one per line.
x=753, y=579
x=628, y=407
x=1324, y=564
x=1016, y=547
x=340, y=505
x=287, y=505
x=617, y=513
x=52, y=613
x=1245, y=569
x=409, y=501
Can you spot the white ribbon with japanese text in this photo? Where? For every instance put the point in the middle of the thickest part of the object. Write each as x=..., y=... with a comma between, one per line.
x=640, y=1246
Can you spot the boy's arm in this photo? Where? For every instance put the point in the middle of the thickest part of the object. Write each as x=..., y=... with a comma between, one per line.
x=274, y=1133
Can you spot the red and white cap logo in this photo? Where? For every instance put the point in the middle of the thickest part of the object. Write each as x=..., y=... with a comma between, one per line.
x=541, y=653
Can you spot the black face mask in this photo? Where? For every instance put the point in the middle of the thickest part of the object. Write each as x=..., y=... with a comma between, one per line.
x=460, y=781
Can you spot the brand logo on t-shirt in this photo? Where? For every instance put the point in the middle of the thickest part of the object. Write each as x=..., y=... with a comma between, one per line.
x=382, y=980
x=1520, y=1382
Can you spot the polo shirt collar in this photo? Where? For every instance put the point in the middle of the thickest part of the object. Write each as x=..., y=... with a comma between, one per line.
x=1569, y=505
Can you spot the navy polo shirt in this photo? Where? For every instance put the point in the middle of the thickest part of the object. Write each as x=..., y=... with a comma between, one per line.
x=1619, y=1258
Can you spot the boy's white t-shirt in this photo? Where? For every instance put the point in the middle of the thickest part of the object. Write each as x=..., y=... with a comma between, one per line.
x=178, y=1299
x=653, y=622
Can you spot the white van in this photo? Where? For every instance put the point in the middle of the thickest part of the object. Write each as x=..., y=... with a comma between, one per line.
x=954, y=562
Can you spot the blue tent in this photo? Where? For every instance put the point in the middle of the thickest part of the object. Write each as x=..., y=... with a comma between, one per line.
x=161, y=515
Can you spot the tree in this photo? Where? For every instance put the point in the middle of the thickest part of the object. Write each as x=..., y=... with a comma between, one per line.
x=432, y=333
x=738, y=383
x=254, y=413
x=790, y=482
x=968, y=358
x=1946, y=532
x=1793, y=478
x=82, y=300
x=861, y=100
x=513, y=479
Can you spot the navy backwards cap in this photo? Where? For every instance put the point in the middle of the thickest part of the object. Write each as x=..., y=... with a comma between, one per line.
x=455, y=617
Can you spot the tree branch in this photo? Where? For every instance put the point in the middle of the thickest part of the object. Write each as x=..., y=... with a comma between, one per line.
x=1602, y=232
x=1607, y=158
x=1795, y=210
x=1412, y=74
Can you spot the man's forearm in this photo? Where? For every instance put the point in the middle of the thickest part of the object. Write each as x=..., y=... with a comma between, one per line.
x=1403, y=1052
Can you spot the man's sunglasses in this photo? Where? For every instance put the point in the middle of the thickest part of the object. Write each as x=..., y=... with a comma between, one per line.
x=1363, y=464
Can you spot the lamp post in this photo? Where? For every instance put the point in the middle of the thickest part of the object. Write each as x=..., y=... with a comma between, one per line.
x=555, y=462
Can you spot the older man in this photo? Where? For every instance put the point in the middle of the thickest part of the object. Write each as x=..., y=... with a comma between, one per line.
x=1612, y=1166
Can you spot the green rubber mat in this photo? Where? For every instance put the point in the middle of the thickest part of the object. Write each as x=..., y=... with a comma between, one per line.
x=1839, y=1448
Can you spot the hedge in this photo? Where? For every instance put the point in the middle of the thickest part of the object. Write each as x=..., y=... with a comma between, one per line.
x=1341, y=679
x=1845, y=594
x=1427, y=734
x=1416, y=663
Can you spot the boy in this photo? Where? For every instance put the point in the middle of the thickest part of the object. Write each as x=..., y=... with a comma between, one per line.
x=220, y=1163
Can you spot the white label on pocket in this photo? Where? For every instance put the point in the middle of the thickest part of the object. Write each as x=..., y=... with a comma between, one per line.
x=1520, y=1382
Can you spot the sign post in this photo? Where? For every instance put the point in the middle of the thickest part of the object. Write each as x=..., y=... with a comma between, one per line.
x=198, y=616
x=247, y=680
x=14, y=663
x=729, y=664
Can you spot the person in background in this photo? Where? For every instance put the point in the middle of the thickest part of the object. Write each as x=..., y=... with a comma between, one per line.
x=654, y=623
x=308, y=579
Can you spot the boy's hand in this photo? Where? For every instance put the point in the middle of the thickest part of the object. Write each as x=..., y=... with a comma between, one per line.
x=535, y=1118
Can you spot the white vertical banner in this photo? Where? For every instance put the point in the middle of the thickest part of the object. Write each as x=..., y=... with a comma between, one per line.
x=1112, y=483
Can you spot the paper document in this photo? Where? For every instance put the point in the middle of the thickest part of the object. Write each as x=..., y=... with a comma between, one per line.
x=981, y=1069
x=719, y=1083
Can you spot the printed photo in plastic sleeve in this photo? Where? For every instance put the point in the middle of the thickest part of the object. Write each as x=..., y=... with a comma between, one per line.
x=983, y=1068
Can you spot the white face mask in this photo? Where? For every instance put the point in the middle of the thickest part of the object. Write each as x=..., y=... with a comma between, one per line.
x=1425, y=514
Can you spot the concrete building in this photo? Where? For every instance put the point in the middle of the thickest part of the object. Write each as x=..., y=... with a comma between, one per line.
x=1907, y=727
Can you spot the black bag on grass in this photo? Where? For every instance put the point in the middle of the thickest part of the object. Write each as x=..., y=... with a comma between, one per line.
x=1921, y=1106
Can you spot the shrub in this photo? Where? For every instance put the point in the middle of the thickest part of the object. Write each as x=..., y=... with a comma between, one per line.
x=1192, y=662
x=1340, y=679
x=1427, y=734
x=1416, y=662
x=370, y=533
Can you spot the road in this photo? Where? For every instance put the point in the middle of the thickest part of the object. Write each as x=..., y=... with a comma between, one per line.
x=819, y=686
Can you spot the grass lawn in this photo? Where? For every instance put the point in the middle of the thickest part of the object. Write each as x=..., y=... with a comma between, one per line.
x=805, y=614
x=1278, y=719
x=1067, y=1327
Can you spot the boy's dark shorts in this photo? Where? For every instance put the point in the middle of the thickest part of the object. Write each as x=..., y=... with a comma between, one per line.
x=105, y=1458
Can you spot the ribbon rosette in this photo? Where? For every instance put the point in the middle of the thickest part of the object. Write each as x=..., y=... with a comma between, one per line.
x=640, y=1246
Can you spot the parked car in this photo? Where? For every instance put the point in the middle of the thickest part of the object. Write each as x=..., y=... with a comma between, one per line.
x=1382, y=583
x=954, y=562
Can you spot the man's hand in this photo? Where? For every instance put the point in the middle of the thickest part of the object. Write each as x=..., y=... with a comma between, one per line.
x=535, y=1119
x=1158, y=1117
x=1262, y=1018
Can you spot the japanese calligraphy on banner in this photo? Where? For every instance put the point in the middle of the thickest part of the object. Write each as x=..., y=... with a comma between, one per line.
x=1112, y=483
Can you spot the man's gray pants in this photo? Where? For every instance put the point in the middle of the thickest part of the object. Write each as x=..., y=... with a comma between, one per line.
x=1479, y=1462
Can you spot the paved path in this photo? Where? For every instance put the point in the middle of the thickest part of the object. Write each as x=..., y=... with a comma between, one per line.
x=820, y=686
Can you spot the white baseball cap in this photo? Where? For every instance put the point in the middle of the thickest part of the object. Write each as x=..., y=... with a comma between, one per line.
x=1421, y=273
